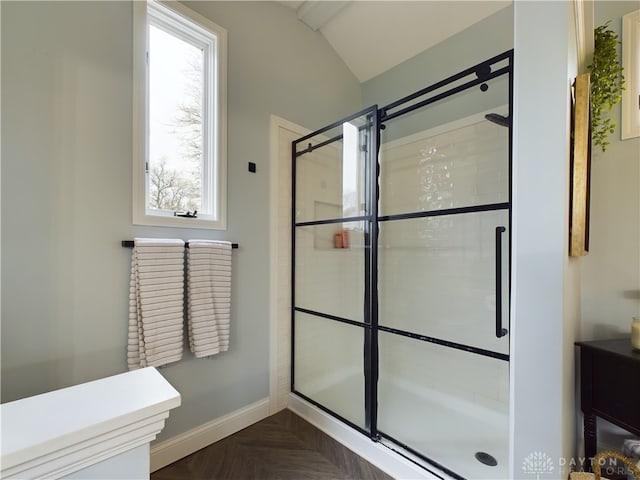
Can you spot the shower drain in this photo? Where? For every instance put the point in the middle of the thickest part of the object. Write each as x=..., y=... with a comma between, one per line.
x=487, y=459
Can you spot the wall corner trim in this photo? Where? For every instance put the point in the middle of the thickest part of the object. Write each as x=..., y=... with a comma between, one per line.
x=175, y=448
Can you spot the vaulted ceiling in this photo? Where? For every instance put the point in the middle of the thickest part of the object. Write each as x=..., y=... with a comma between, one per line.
x=373, y=36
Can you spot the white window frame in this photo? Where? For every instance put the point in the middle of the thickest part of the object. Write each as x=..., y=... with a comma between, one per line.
x=631, y=71
x=215, y=138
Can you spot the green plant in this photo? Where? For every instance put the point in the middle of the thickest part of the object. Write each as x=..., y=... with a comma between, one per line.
x=607, y=84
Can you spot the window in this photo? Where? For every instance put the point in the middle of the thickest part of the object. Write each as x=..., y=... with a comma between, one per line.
x=179, y=162
x=631, y=72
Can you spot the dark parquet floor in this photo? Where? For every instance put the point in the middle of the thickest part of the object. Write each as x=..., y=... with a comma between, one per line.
x=280, y=447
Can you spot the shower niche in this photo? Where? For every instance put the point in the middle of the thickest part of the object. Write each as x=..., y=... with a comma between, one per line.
x=400, y=271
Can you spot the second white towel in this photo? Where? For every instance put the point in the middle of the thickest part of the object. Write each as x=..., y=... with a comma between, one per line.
x=208, y=296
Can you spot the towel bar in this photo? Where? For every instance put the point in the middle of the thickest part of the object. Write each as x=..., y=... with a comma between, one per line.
x=129, y=244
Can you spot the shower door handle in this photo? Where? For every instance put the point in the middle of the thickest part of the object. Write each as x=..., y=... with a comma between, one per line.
x=500, y=332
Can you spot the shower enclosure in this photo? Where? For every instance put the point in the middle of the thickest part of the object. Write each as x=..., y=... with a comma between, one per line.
x=400, y=271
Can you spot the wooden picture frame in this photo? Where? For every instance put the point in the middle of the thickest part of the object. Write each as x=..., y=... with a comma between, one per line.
x=580, y=168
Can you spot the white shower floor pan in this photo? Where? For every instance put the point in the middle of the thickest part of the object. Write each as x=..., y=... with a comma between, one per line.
x=447, y=429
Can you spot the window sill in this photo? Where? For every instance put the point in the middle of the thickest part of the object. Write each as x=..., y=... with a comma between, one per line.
x=179, y=222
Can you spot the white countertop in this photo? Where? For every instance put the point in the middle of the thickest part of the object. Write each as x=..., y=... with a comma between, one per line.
x=110, y=415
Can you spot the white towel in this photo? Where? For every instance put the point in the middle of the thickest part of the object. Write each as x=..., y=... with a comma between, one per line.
x=631, y=448
x=208, y=296
x=156, y=303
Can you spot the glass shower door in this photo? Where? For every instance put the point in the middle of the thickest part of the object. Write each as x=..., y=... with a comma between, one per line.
x=332, y=219
x=401, y=246
x=443, y=272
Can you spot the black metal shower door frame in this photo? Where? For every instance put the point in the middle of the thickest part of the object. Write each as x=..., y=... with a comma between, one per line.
x=492, y=68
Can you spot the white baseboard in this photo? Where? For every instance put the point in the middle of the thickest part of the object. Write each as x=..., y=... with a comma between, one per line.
x=375, y=453
x=180, y=446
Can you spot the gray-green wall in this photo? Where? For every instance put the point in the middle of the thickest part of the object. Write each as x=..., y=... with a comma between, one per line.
x=610, y=274
x=483, y=40
x=66, y=191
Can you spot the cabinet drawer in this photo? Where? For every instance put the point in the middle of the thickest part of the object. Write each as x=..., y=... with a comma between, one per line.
x=616, y=389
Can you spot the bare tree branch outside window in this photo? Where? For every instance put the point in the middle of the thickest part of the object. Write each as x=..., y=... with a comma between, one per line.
x=169, y=190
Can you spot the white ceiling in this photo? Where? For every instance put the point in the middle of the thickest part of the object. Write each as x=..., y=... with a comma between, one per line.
x=373, y=36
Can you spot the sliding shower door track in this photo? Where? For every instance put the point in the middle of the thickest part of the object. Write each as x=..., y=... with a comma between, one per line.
x=318, y=405
x=418, y=459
